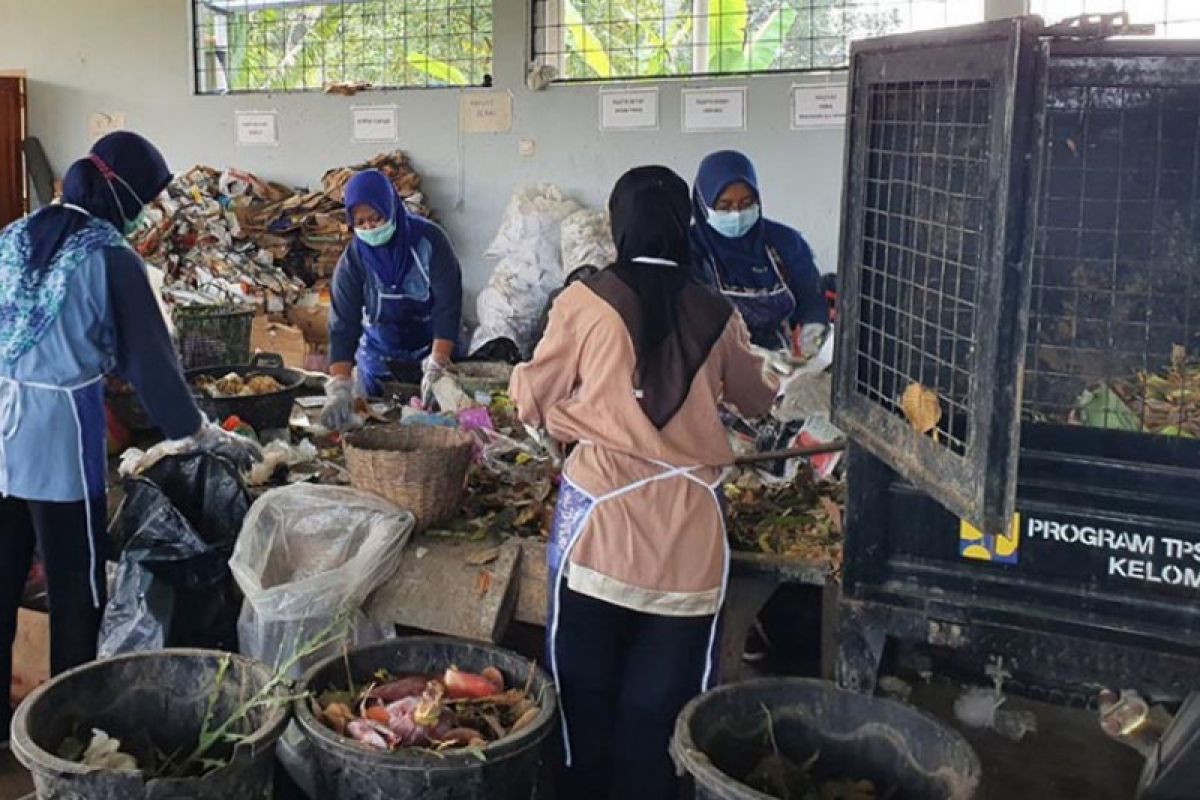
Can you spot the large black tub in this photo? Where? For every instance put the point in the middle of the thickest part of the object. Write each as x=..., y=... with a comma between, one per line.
x=721, y=736
x=509, y=770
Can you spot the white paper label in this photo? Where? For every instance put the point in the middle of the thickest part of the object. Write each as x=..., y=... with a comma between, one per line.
x=257, y=129
x=818, y=106
x=714, y=109
x=485, y=112
x=375, y=124
x=102, y=123
x=629, y=109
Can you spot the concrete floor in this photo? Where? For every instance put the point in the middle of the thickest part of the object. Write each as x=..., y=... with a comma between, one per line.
x=14, y=781
x=1067, y=759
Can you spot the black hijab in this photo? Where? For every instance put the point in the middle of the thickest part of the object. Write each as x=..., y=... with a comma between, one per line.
x=673, y=321
x=114, y=182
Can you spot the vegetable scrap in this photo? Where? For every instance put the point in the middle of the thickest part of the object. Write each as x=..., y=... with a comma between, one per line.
x=102, y=752
x=235, y=385
x=801, y=519
x=777, y=775
x=456, y=710
x=1165, y=403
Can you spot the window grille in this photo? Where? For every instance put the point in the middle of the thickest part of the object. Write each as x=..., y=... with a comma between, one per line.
x=307, y=45
x=625, y=39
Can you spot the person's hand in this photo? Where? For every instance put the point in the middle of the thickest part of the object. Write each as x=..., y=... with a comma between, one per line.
x=213, y=439
x=807, y=339
x=339, y=403
x=432, y=371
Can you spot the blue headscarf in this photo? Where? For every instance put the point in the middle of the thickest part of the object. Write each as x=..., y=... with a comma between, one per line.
x=718, y=171
x=389, y=262
x=38, y=255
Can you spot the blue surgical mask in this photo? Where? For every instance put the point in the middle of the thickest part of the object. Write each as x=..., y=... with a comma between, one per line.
x=732, y=224
x=376, y=237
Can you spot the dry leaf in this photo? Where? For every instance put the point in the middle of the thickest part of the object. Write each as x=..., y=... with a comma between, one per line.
x=1072, y=147
x=833, y=510
x=1178, y=356
x=483, y=582
x=921, y=407
x=481, y=557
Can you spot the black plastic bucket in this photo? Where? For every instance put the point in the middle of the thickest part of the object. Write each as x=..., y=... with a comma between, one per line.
x=148, y=700
x=510, y=768
x=721, y=736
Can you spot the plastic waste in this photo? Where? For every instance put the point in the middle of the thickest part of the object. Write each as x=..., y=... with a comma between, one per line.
x=307, y=553
x=176, y=528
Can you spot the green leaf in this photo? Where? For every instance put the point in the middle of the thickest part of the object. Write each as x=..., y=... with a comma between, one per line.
x=727, y=22
x=1104, y=408
x=767, y=42
x=440, y=71
x=587, y=43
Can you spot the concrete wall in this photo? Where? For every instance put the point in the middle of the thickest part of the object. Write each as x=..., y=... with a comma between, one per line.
x=133, y=56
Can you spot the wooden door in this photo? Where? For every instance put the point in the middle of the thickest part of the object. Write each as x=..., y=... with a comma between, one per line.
x=13, y=195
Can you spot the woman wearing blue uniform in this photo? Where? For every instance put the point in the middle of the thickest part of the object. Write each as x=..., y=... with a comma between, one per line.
x=75, y=304
x=397, y=297
x=765, y=268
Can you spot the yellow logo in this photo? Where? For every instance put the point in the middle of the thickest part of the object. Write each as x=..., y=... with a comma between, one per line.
x=1001, y=549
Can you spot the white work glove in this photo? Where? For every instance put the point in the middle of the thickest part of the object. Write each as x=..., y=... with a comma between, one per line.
x=211, y=438
x=339, y=404
x=432, y=371
x=808, y=338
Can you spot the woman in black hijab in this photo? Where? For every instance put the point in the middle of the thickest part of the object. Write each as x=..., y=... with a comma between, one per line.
x=632, y=368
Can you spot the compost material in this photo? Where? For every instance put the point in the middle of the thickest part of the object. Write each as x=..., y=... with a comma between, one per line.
x=451, y=711
x=1166, y=403
x=801, y=519
x=234, y=385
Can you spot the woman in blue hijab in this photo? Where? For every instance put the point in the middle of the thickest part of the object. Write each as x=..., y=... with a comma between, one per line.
x=75, y=304
x=397, y=298
x=765, y=268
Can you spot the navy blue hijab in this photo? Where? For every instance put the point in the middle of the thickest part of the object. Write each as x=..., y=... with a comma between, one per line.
x=390, y=261
x=95, y=183
x=718, y=171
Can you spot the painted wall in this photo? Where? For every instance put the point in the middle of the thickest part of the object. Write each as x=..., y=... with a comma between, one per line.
x=133, y=56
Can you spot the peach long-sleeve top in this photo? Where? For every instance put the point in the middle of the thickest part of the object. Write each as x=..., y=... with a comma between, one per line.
x=658, y=548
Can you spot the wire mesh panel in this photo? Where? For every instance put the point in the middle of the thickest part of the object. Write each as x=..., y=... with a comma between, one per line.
x=313, y=45
x=927, y=154
x=936, y=198
x=1114, y=338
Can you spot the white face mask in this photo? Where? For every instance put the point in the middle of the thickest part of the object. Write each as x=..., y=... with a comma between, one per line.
x=732, y=224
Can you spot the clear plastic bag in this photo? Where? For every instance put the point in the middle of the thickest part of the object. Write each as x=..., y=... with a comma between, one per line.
x=304, y=555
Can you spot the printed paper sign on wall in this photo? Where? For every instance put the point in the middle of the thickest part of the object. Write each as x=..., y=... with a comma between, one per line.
x=714, y=110
x=257, y=129
x=375, y=123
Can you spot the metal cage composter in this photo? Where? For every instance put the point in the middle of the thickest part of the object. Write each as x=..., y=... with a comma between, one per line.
x=1019, y=356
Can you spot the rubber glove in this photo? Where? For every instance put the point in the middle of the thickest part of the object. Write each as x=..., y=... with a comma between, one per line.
x=807, y=339
x=432, y=371
x=339, y=404
x=213, y=439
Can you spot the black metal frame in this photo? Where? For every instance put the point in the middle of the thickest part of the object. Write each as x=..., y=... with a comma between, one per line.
x=974, y=477
x=1067, y=614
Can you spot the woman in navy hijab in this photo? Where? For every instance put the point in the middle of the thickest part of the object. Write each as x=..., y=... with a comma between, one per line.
x=397, y=298
x=765, y=268
x=75, y=303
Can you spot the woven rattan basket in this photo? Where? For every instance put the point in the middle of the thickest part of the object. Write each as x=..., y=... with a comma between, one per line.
x=421, y=469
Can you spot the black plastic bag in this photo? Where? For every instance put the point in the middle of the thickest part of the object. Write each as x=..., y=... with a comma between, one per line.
x=176, y=529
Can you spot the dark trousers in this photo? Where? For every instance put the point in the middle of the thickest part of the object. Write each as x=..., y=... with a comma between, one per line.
x=59, y=532
x=624, y=677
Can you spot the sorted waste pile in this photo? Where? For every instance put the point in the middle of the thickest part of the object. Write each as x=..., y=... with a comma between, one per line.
x=544, y=236
x=453, y=711
x=1166, y=403
x=234, y=385
x=799, y=519
x=231, y=236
